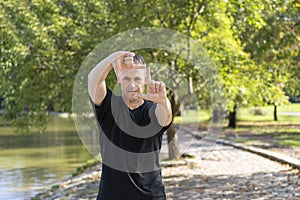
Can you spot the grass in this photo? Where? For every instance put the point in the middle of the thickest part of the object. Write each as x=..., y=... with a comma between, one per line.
x=245, y=141
x=289, y=139
x=244, y=115
x=286, y=130
x=90, y=163
x=190, y=116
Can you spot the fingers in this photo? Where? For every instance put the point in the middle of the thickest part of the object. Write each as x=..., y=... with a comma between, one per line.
x=162, y=86
x=128, y=58
x=121, y=60
x=156, y=92
x=148, y=75
x=120, y=54
x=156, y=86
x=129, y=54
x=123, y=56
x=149, y=97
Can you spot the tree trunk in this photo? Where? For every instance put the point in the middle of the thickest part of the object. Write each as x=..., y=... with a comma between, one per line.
x=216, y=115
x=275, y=112
x=232, y=118
x=173, y=145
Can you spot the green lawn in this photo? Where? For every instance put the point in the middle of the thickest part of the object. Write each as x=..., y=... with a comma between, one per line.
x=289, y=138
x=190, y=116
x=245, y=114
x=286, y=129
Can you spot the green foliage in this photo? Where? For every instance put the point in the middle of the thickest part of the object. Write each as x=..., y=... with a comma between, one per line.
x=255, y=45
x=42, y=46
x=274, y=47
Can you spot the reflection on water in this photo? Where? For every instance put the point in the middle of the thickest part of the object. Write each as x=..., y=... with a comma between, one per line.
x=29, y=164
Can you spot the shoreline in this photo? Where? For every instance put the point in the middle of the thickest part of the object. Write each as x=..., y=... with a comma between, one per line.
x=218, y=168
x=81, y=172
x=89, y=176
x=85, y=181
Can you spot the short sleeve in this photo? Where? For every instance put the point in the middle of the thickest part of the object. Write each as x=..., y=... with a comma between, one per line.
x=103, y=109
x=165, y=128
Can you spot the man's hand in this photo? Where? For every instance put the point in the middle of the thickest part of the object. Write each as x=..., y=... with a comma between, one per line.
x=119, y=60
x=156, y=90
x=122, y=60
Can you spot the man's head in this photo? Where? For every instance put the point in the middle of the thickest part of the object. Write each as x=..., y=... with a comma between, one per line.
x=133, y=80
x=138, y=61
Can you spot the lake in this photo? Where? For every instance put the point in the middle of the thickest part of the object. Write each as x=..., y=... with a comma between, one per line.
x=31, y=163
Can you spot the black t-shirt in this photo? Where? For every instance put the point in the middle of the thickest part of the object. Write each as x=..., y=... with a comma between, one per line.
x=129, y=151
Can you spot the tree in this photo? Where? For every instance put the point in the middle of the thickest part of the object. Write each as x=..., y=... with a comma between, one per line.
x=272, y=45
x=44, y=45
x=211, y=25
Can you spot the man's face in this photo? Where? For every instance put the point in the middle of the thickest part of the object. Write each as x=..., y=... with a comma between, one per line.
x=132, y=82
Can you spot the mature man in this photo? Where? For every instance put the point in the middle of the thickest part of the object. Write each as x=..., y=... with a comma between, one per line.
x=131, y=128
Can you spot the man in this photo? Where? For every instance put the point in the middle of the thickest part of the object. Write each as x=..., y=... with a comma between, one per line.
x=131, y=128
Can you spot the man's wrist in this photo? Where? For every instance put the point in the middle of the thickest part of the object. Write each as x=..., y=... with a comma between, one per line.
x=163, y=101
x=164, y=112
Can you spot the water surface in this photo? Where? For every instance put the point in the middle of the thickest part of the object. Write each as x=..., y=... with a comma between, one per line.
x=32, y=163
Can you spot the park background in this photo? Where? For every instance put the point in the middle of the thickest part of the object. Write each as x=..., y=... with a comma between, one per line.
x=254, y=44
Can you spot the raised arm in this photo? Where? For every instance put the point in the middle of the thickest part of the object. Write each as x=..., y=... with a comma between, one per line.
x=156, y=92
x=96, y=78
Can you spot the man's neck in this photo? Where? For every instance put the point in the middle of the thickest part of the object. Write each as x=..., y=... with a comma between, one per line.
x=133, y=104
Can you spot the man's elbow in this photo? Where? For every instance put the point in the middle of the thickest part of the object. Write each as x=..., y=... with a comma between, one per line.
x=168, y=120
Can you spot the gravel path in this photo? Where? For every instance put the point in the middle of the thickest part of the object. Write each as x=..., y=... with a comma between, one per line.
x=224, y=173
x=228, y=173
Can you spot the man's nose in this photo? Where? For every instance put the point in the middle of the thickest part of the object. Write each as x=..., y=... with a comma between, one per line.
x=132, y=84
